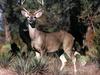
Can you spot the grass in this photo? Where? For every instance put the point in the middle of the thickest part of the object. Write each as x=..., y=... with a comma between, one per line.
x=30, y=65
x=4, y=48
x=5, y=60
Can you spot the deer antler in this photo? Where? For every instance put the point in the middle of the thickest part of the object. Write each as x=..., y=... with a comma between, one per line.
x=25, y=9
x=41, y=2
x=23, y=2
x=38, y=11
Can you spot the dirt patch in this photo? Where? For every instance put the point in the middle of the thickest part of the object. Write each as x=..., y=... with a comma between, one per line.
x=88, y=69
x=7, y=72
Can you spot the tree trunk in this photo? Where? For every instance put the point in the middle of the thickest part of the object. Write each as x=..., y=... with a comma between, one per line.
x=7, y=30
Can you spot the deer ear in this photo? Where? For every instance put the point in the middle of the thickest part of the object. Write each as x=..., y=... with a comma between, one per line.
x=24, y=13
x=38, y=14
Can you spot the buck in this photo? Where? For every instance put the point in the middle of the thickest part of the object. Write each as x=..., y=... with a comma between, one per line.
x=49, y=42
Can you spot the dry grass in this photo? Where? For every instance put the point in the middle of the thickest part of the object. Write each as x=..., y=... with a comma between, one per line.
x=89, y=69
x=51, y=68
x=4, y=47
x=48, y=65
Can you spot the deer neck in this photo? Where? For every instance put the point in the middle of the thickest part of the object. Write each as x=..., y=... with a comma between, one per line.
x=33, y=32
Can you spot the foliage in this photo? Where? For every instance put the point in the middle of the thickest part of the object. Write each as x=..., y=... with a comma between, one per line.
x=5, y=60
x=27, y=65
x=97, y=39
x=62, y=14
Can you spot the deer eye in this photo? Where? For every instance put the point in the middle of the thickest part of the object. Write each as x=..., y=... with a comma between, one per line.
x=34, y=18
x=28, y=17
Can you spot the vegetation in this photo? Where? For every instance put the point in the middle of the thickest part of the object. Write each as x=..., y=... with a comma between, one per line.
x=25, y=66
x=5, y=60
x=60, y=14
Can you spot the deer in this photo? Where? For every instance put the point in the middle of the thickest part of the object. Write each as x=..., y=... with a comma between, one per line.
x=49, y=42
x=90, y=33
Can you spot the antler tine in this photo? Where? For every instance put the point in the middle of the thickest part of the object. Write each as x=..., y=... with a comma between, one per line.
x=23, y=2
x=25, y=9
x=21, y=6
x=38, y=11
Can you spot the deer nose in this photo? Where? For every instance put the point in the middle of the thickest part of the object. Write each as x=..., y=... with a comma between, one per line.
x=32, y=18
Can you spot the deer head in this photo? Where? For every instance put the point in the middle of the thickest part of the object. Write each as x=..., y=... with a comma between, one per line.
x=31, y=17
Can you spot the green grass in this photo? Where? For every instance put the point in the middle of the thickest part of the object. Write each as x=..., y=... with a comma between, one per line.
x=5, y=59
x=27, y=65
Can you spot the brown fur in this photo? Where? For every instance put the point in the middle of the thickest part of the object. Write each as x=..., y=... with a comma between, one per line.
x=89, y=37
x=90, y=34
x=51, y=42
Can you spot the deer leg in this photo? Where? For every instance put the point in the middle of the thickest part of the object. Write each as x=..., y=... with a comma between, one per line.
x=74, y=63
x=40, y=53
x=63, y=60
x=38, y=56
x=73, y=59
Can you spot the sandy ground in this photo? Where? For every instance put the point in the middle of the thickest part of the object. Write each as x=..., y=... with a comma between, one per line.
x=7, y=72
